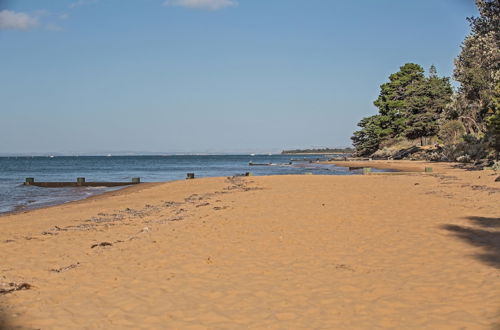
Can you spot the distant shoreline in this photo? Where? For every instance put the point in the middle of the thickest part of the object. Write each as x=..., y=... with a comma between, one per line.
x=315, y=153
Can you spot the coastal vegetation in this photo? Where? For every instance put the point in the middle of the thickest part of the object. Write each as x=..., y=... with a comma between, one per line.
x=423, y=115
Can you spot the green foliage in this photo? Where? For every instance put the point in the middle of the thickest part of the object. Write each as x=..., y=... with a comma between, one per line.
x=452, y=132
x=367, y=140
x=477, y=68
x=409, y=106
x=392, y=100
x=413, y=106
x=426, y=102
x=493, y=124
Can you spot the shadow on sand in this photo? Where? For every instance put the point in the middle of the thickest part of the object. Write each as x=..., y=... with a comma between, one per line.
x=4, y=321
x=485, y=234
x=468, y=166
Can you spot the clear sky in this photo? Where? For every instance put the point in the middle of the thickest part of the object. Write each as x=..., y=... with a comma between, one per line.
x=208, y=75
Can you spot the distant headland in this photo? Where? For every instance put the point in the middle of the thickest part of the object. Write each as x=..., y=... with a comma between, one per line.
x=319, y=151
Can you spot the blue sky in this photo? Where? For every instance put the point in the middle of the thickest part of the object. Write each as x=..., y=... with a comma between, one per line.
x=208, y=75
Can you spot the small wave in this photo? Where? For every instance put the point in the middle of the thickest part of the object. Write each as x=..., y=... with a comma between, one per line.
x=95, y=188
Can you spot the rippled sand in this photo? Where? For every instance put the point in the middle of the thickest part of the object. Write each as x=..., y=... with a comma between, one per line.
x=324, y=252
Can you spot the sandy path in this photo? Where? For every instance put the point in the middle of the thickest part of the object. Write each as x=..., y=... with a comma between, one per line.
x=288, y=252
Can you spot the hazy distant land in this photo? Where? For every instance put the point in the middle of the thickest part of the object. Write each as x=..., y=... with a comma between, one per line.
x=318, y=151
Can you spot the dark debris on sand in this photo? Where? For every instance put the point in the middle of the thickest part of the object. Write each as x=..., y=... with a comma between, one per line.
x=102, y=244
x=63, y=269
x=12, y=287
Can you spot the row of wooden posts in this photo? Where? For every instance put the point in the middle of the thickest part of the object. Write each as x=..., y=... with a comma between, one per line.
x=191, y=175
x=81, y=181
x=366, y=171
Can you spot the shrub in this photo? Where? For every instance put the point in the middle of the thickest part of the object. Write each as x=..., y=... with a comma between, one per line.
x=452, y=132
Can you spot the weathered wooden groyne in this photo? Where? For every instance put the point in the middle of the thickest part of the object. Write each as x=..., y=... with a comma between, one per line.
x=80, y=182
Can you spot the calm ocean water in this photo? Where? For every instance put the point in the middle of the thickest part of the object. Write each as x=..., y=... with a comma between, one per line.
x=13, y=170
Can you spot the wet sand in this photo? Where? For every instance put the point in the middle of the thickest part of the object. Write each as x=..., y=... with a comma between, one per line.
x=400, y=165
x=344, y=252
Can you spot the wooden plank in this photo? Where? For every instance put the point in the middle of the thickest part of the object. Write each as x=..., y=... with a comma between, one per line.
x=76, y=184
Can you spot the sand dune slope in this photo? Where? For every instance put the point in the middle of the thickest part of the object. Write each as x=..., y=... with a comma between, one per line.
x=288, y=252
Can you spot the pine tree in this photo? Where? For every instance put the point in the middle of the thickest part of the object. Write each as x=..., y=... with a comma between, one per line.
x=402, y=101
x=426, y=102
x=392, y=101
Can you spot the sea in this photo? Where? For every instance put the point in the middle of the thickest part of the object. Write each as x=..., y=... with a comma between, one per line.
x=14, y=196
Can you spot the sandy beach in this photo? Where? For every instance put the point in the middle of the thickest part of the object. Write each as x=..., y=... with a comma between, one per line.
x=410, y=251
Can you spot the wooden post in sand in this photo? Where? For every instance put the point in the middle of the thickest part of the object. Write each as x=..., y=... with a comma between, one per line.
x=80, y=180
x=190, y=176
x=136, y=180
x=367, y=170
x=29, y=180
x=428, y=170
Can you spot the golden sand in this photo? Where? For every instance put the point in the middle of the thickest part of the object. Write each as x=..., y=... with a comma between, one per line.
x=288, y=252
